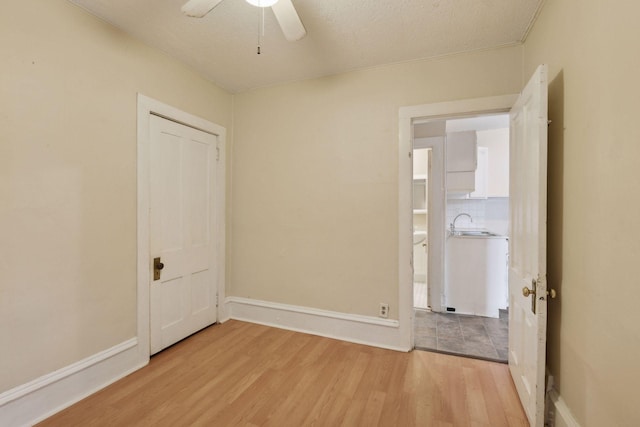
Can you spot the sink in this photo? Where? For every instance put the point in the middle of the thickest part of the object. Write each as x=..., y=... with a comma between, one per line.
x=477, y=233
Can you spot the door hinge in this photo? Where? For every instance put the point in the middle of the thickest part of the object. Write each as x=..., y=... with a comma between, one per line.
x=217, y=299
x=217, y=154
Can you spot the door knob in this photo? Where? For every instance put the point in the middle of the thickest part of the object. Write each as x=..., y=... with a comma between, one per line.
x=157, y=267
x=526, y=291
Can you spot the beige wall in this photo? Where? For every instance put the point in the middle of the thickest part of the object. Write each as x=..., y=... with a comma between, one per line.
x=315, y=179
x=594, y=203
x=68, y=85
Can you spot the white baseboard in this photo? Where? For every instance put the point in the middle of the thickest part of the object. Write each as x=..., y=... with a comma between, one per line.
x=36, y=400
x=560, y=415
x=354, y=328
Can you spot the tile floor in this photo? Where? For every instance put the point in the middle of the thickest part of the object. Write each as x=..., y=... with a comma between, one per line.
x=474, y=336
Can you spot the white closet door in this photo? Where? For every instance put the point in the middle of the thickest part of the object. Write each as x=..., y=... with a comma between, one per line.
x=182, y=207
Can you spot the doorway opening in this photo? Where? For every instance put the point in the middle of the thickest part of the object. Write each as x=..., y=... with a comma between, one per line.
x=421, y=173
x=528, y=291
x=460, y=223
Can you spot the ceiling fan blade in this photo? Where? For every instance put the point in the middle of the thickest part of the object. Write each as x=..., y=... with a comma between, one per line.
x=199, y=8
x=289, y=20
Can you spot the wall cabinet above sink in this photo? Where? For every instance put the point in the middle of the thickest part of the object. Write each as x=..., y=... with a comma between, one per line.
x=497, y=143
x=461, y=155
x=491, y=175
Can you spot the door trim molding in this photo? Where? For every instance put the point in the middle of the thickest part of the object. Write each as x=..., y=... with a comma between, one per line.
x=146, y=107
x=407, y=116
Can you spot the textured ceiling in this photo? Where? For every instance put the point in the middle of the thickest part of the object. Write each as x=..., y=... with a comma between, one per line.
x=342, y=35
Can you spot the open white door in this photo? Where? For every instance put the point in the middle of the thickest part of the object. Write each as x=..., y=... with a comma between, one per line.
x=182, y=242
x=528, y=245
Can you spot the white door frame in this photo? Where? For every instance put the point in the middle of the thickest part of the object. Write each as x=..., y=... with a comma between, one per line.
x=146, y=107
x=407, y=117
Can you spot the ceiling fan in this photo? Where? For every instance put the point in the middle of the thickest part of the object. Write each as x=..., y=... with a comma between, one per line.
x=286, y=14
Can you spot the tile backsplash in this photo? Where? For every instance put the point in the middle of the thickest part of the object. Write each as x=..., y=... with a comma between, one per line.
x=491, y=213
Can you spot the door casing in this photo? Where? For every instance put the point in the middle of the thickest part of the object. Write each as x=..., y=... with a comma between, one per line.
x=407, y=117
x=147, y=107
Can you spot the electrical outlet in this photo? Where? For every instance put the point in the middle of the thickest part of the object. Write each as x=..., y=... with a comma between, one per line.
x=384, y=310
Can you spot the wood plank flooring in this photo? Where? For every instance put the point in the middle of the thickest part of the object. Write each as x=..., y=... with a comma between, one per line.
x=244, y=374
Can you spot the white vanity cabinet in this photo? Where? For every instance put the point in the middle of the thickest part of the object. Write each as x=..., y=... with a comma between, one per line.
x=461, y=161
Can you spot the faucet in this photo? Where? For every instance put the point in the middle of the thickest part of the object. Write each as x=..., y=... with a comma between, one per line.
x=453, y=224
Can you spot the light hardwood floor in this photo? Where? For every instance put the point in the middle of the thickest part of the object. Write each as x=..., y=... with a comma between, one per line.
x=245, y=374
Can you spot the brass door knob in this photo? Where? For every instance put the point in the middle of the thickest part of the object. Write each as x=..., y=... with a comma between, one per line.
x=526, y=291
x=157, y=267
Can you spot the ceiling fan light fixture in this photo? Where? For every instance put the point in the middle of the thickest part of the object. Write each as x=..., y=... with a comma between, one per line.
x=262, y=3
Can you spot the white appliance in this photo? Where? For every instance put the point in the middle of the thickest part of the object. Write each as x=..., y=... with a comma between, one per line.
x=476, y=280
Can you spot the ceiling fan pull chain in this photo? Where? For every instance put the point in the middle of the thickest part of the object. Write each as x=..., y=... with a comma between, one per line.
x=261, y=31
